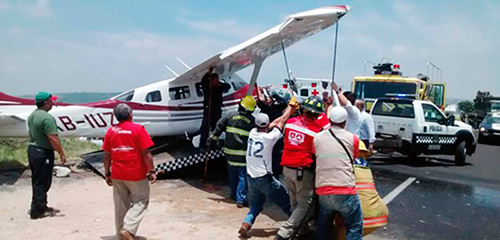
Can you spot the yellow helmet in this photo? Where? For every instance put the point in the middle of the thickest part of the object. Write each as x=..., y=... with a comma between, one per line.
x=248, y=103
x=362, y=146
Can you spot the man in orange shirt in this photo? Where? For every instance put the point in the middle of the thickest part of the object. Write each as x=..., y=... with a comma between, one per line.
x=126, y=153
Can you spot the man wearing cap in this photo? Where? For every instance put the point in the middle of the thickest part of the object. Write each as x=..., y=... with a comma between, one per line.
x=237, y=127
x=128, y=165
x=335, y=151
x=44, y=140
x=298, y=162
x=261, y=182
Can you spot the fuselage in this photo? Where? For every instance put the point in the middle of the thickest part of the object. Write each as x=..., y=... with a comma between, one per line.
x=165, y=108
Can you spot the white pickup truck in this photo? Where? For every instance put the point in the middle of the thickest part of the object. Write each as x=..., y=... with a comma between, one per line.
x=414, y=127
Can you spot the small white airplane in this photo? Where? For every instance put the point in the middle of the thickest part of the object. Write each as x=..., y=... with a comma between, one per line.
x=173, y=107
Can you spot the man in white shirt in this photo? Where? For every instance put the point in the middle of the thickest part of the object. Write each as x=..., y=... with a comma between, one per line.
x=261, y=182
x=347, y=100
x=366, y=131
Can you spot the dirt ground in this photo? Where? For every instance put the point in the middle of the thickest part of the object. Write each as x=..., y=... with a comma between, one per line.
x=179, y=209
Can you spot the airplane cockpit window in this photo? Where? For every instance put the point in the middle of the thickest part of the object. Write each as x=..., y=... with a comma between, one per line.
x=238, y=85
x=154, y=96
x=177, y=93
x=126, y=97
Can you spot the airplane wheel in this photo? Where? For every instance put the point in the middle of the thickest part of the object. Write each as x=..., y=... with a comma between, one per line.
x=460, y=154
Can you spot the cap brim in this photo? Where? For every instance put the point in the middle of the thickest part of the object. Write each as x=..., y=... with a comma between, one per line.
x=53, y=98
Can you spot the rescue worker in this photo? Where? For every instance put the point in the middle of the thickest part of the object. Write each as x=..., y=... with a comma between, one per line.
x=212, y=102
x=375, y=212
x=298, y=161
x=261, y=182
x=335, y=151
x=237, y=127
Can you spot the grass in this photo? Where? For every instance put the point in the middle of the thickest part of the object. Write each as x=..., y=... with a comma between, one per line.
x=13, y=151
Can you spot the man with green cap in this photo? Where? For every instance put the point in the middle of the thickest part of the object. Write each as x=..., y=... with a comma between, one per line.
x=44, y=140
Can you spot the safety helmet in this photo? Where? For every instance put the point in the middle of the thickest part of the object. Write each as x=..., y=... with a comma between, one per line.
x=262, y=120
x=362, y=146
x=313, y=104
x=248, y=103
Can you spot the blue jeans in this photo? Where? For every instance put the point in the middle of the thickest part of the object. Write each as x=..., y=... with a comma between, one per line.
x=349, y=207
x=238, y=183
x=259, y=189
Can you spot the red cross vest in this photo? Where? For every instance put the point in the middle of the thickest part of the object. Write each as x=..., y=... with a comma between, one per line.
x=299, y=145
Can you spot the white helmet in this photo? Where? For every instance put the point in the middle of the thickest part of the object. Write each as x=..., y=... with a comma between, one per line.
x=262, y=120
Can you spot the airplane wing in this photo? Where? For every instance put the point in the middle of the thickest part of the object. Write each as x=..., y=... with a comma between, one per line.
x=10, y=119
x=257, y=49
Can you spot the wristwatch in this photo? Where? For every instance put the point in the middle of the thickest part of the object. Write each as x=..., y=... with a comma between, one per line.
x=108, y=174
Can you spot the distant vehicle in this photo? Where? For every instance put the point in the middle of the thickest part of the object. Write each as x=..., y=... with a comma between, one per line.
x=388, y=81
x=489, y=129
x=306, y=87
x=414, y=127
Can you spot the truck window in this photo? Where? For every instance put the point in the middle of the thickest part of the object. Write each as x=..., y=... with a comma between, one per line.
x=436, y=94
x=432, y=114
x=394, y=109
x=384, y=89
x=178, y=93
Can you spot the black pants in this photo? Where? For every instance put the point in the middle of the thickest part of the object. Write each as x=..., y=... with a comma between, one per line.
x=277, y=152
x=206, y=124
x=41, y=162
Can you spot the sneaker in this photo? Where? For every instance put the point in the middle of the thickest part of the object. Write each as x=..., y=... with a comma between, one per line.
x=125, y=235
x=245, y=227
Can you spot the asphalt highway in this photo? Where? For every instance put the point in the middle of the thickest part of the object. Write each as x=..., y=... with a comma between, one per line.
x=445, y=201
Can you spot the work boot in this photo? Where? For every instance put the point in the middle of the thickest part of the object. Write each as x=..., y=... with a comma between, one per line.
x=45, y=214
x=125, y=235
x=245, y=227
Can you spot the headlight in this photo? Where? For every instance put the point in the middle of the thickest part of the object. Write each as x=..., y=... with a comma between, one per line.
x=482, y=129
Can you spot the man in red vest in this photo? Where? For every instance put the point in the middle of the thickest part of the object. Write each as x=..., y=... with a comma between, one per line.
x=298, y=161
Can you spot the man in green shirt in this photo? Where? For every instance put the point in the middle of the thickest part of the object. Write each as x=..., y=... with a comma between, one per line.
x=43, y=141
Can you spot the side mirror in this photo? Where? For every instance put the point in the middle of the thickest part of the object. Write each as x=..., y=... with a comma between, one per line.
x=450, y=120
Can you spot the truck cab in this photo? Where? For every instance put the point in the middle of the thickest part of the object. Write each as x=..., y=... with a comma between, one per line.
x=413, y=127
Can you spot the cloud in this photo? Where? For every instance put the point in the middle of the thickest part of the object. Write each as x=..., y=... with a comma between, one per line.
x=40, y=8
x=4, y=6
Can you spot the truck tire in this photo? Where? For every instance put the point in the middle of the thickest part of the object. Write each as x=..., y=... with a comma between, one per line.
x=460, y=154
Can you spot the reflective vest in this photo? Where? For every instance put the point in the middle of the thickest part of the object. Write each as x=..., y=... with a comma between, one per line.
x=237, y=127
x=299, y=134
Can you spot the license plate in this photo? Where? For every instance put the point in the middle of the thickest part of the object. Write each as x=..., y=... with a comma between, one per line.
x=434, y=147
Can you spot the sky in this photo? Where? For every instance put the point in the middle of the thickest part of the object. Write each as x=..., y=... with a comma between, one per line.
x=114, y=46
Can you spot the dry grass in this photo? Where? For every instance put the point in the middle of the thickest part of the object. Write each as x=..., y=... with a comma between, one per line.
x=13, y=151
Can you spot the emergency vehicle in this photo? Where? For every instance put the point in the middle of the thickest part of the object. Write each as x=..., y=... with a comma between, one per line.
x=413, y=127
x=388, y=81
